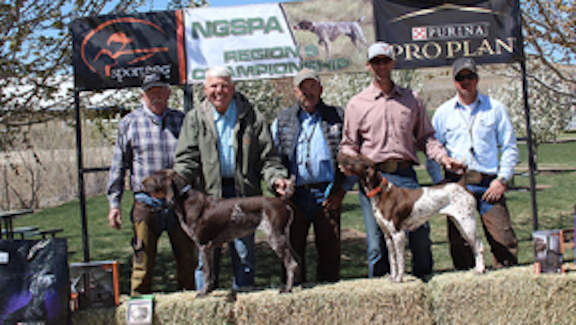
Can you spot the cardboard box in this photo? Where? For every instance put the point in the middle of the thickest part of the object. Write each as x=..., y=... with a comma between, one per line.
x=94, y=285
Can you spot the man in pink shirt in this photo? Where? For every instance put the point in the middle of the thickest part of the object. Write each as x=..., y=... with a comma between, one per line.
x=387, y=123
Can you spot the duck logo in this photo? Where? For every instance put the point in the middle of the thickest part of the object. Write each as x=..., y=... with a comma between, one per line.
x=113, y=52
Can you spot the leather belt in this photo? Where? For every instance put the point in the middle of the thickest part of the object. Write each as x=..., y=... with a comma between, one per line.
x=227, y=181
x=392, y=166
x=472, y=177
x=314, y=186
x=477, y=178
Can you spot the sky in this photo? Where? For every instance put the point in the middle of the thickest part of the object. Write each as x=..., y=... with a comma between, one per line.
x=218, y=3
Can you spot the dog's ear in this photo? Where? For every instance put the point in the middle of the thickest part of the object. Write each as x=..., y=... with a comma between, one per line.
x=155, y=184
x=176, y=185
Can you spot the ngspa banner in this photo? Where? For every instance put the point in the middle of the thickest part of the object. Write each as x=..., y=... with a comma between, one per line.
x=253, y=41
x=435, y=33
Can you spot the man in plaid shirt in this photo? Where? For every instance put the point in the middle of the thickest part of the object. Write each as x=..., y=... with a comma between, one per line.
x=147, y=138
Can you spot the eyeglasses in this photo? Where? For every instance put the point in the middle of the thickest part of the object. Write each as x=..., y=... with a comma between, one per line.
x=469, y=76
x=381, y=60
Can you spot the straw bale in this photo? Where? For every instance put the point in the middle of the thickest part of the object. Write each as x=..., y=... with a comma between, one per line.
x=365, y=301
x=510, y=296
x=169, y=309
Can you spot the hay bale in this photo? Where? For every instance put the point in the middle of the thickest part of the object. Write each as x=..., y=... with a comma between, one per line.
x=174, y=308
x=510, y=296
x=365, y=301
x=100, y=316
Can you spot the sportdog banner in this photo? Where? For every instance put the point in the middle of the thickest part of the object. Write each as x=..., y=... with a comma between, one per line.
x=434, y=33
x=253, y=41
x=115, y=51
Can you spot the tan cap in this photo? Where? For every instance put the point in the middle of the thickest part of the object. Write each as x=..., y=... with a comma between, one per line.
x=305, y=74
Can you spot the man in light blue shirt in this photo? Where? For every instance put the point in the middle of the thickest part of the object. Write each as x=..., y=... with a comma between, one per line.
x=476, y=129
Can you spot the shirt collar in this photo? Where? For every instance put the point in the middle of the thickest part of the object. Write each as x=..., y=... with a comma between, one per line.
x=375, y=92
x=156, y=119
x=473, y=105
x=229, y=115
x=304, y=115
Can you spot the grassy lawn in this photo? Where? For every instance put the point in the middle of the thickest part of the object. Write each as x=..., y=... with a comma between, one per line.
x=556, y=204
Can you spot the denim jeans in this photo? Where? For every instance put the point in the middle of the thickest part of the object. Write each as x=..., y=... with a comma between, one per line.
x=418, y=240
x=241, y=253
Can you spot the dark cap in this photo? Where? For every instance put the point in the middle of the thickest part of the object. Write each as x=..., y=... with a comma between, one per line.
x=305, y=74
x=154, y=79
x=463, y=64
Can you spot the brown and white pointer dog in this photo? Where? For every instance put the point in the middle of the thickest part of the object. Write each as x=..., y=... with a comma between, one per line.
x=399, y=209
x=211, y=222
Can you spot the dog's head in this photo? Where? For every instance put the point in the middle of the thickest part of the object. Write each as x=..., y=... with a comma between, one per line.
x=188, y=203
x=303, y=25
x=164, y=184
x=361, y=166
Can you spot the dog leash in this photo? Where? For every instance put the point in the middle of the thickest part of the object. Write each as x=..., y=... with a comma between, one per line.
x=378, y=188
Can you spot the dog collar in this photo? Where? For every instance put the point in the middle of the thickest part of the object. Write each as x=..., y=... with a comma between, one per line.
x=378, y=188
x=185, y=189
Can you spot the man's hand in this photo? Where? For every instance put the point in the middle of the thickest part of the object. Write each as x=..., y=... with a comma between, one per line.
x=494, y=192
x=284, y=187
x=114, y=218
x=451, y=163
x=334, y=201
x=345, y=171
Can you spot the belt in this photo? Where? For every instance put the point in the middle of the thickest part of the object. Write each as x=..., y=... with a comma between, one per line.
x=317, y=186
x=392, y=166
x=472, y=177
x=477, y=178
x=227, y=181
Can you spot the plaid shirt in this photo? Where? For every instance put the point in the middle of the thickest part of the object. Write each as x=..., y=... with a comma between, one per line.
x=145, y=144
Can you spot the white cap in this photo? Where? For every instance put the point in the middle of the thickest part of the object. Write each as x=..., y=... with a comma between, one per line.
x=380, y=48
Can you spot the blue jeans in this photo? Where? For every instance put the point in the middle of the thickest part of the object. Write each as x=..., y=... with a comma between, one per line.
x=418, y=240
x=241, y=252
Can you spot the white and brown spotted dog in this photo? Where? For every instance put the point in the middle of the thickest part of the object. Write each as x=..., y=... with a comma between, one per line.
x=211, y=222
x=399, y=209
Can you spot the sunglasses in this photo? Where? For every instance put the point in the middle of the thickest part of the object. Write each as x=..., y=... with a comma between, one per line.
x=383, y=60
x=469, y=76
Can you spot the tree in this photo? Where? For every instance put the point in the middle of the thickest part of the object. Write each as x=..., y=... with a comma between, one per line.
x=35, y=53
x=35, y=66
x=550, y=48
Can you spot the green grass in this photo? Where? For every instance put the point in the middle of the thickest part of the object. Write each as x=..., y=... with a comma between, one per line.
x=555, y=211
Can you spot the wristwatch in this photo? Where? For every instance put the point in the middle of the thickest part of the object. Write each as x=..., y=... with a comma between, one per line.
x=503, y=180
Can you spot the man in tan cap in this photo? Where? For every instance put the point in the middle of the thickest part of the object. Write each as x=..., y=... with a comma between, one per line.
x=307, y=137
x=388, y=123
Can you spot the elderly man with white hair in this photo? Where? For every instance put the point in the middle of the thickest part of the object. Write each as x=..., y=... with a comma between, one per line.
x=225, y=149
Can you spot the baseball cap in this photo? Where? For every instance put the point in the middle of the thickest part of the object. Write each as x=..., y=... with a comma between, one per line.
x=154, y=79
x=380, y=48
x=305, y=74
x=463, y=64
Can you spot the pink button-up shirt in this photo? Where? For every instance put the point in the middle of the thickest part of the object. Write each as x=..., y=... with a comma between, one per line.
x=385, y=127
